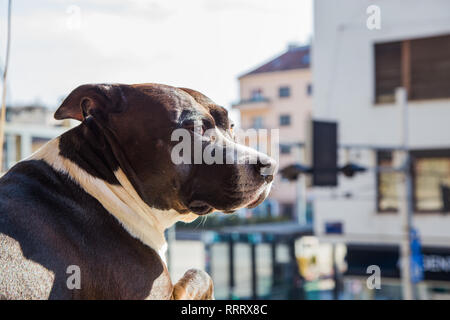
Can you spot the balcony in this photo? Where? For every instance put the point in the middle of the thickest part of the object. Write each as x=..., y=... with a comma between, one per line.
x=256, y=103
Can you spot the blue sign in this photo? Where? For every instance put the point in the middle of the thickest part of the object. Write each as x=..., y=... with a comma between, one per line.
x=255, y=238
x=210, y=237
x=333, y=228
x=416, y=257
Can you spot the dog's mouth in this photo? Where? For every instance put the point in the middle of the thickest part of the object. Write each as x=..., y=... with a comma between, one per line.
x=200, y=207
x=258, y=201
x=260, y=197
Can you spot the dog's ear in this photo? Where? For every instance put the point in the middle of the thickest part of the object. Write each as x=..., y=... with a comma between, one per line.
x=92, y=99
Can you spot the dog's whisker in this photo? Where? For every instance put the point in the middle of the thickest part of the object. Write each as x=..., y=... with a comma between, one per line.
x=204, y=220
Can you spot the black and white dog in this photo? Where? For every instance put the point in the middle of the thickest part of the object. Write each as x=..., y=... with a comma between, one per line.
x=100, y=196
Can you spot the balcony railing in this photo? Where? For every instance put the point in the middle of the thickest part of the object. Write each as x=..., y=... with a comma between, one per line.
x=253, y=103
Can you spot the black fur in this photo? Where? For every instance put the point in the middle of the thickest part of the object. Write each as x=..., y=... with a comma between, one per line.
x=58, y=224
x=86, y=146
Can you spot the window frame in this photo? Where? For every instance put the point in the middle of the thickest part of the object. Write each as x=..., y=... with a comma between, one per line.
x=376, y=94
x=280, y=89
x=378, y=183
x=285, y=116
x=287, y=205
x=309, y=89
x=414, y=156
x=288, y=147
x=406, y=68
x=256, y=94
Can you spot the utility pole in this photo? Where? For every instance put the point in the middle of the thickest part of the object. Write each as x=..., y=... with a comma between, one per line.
x=405, y=198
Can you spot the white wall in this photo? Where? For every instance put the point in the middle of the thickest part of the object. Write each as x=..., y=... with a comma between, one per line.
x=343, y=80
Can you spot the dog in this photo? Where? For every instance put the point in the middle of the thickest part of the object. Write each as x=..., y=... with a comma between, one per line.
x=98, y=198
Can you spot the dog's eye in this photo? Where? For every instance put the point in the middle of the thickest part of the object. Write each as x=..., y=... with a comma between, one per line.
x=194, y=127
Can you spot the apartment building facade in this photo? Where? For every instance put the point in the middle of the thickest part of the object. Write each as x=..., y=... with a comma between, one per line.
x=356, y=72
x=277, y=95
x=27, y=129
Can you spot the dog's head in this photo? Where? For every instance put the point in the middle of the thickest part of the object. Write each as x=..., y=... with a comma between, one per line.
x=160, y=136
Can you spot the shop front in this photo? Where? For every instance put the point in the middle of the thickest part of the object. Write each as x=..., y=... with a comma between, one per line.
x=436, y=266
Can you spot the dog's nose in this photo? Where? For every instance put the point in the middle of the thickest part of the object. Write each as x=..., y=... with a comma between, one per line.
x=266, y=167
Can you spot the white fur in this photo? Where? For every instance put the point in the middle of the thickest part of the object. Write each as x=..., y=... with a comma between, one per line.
x=122, y=201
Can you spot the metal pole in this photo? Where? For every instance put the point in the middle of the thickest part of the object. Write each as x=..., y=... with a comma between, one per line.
x=273, y=256
x=231, y=282
x=296, y=284
x=254, y=271
x=405, y=201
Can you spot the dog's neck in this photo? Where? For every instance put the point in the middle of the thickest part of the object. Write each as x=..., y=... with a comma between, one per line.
x=116, y=193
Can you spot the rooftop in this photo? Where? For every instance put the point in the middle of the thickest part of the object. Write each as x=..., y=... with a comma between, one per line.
x=296, y=57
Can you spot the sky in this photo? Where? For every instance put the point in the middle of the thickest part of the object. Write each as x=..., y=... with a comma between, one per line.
x=201, y=44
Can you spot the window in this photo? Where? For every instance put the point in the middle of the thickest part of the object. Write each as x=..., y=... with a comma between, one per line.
x=388, y=73
x=422, y=66
x=309, y=89
x=285, y=120
x=287, y=210
x=256, y=95
x=284, y=92
x=387, y=183
x=430, y=68
x=285, y=149
x=431, y=179
x=258, y=122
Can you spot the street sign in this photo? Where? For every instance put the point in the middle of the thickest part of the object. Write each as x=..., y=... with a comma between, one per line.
x=210, y=237
x=416, y=257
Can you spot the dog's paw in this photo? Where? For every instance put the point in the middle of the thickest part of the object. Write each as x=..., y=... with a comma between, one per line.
x=194, y=285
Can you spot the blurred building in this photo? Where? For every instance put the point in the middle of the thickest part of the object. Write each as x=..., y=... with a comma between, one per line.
x=26, y=130
x=356, y=72
x=277, y=95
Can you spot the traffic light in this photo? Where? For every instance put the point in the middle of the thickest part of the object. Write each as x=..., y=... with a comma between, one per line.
x=324, y=153
x=350, y=169
x=324, y=167
x=292, y=171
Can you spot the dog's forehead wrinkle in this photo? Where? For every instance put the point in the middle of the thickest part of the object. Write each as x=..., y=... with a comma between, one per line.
x=165, y=94
x=195, y=116
x=187, y=114
x=186, y=104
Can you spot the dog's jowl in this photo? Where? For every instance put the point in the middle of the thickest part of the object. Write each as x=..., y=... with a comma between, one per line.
x=93, y=203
